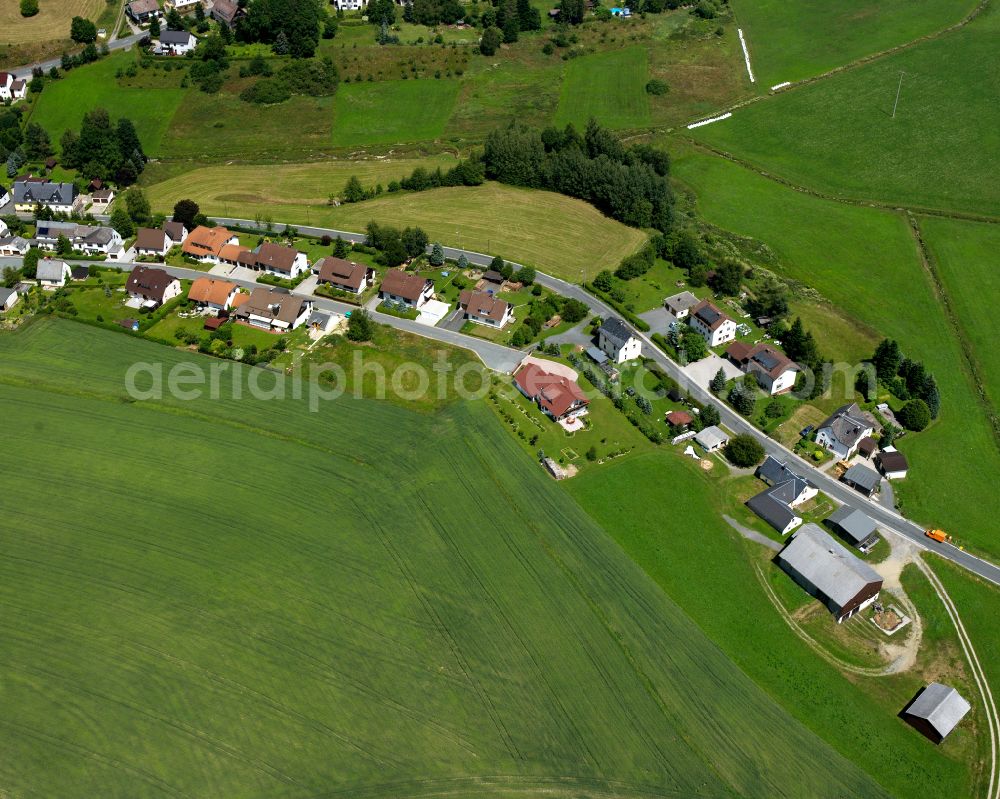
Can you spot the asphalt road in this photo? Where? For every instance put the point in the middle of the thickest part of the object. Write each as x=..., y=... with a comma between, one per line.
x=505, y=359
x=887, y=518
x=116, y=44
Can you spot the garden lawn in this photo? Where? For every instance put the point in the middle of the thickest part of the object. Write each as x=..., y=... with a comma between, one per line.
x=676, y=533
x=64, y=102
x=866, y=262
x=789, y=42
x=838, y=135
x=610, y=86
x=329, y=620
x=967, y=258
x=391, y=112
x=243, y=190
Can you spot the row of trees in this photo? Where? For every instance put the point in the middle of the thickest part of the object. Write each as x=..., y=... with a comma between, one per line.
x=396, y=246
x=630, y=184
x=906, y=379
x=466, y=173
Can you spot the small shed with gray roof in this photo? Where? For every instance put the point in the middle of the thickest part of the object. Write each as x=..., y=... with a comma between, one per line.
x=855, y=526
x=862, y=479
x=712, y=438
x=829, y=572
x=936, y=711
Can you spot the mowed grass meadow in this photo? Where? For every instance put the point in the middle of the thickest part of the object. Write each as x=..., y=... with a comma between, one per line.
x=866, y=262
x=252, y=188
x=607, y=86
x=390, y=112
x=554, y=233
x=789, y=42
x=51, y=22
x=64, y=102
x=242, y=598
x=838, y=135
x=967, y=258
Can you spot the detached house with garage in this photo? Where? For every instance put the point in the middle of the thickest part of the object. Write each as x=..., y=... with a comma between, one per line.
x=344, y=275
x=177, y=42
x=84, y=238
x=715, y=327
x=680, y=305
x=280, y=260
x=11, y=88
x=205, y=243
x=176, y=232
x=60, y=198
x=617, y=341
x=843, y=430
x=274, y=310
x=151, y=286
x=52, y=274
x=485, y=309
x=218, y=295
x=151, y=243
x=786, y=490
x=141, y=12
x=775, y=371
x=556, y=395
x=411, y=290
x=826, y=570
x=14, y=246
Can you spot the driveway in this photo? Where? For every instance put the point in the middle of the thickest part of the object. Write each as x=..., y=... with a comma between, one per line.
x=701, y=372
x=307, y=286
x=454, y=322
x=575, y=335
x=659, y=320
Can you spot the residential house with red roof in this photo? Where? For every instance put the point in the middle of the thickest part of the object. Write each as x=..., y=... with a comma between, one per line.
x=557, y=395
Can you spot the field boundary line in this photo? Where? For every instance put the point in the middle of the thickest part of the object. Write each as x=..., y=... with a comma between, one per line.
x=972, y=364
x=992, y=718
x=965, y=216
x=787, y=86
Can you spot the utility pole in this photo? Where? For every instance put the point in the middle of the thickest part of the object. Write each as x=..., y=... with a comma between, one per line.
x=898, y=90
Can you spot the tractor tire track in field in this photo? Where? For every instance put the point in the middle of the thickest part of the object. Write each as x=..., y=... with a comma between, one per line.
x=965, y=345
x=989, y=706
x=854, y=64
x=506, y=738
x=565, y=718
x=609, y=684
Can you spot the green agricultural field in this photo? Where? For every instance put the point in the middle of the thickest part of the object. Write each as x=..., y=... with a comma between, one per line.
x=866, y=262
x=214, y=127
x=789, y=42
x=676, y=532
x=239, y=187
x=63, y=103
x=392, y=112
x=967, y=258
x=316, y=624
x=552, y=232
x=838, y=135
x=611, y=87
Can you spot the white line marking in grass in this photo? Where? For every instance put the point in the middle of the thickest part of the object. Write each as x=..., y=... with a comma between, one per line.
x=746, y=55
x=777, y=86
x=709, y=121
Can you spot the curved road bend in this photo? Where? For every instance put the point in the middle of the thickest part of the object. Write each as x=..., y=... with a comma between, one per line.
x=887, y=518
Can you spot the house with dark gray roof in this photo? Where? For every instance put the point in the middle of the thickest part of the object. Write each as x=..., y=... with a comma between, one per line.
x=829, y=572
x=862, y=479
x=713, y=324
x=785, y=490
x=854, y=526
x=91, y=239
x=843, y=430
x=177, y=42
x=936, y=711
x=681, y=304
x=772, y=510
x=8, y=299
x=52, y=274
x=892, y=463
x=616, y=339
x=58, y=197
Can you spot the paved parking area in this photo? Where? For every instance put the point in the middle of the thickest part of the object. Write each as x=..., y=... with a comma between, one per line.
x=701, y=372
x=659, y=320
